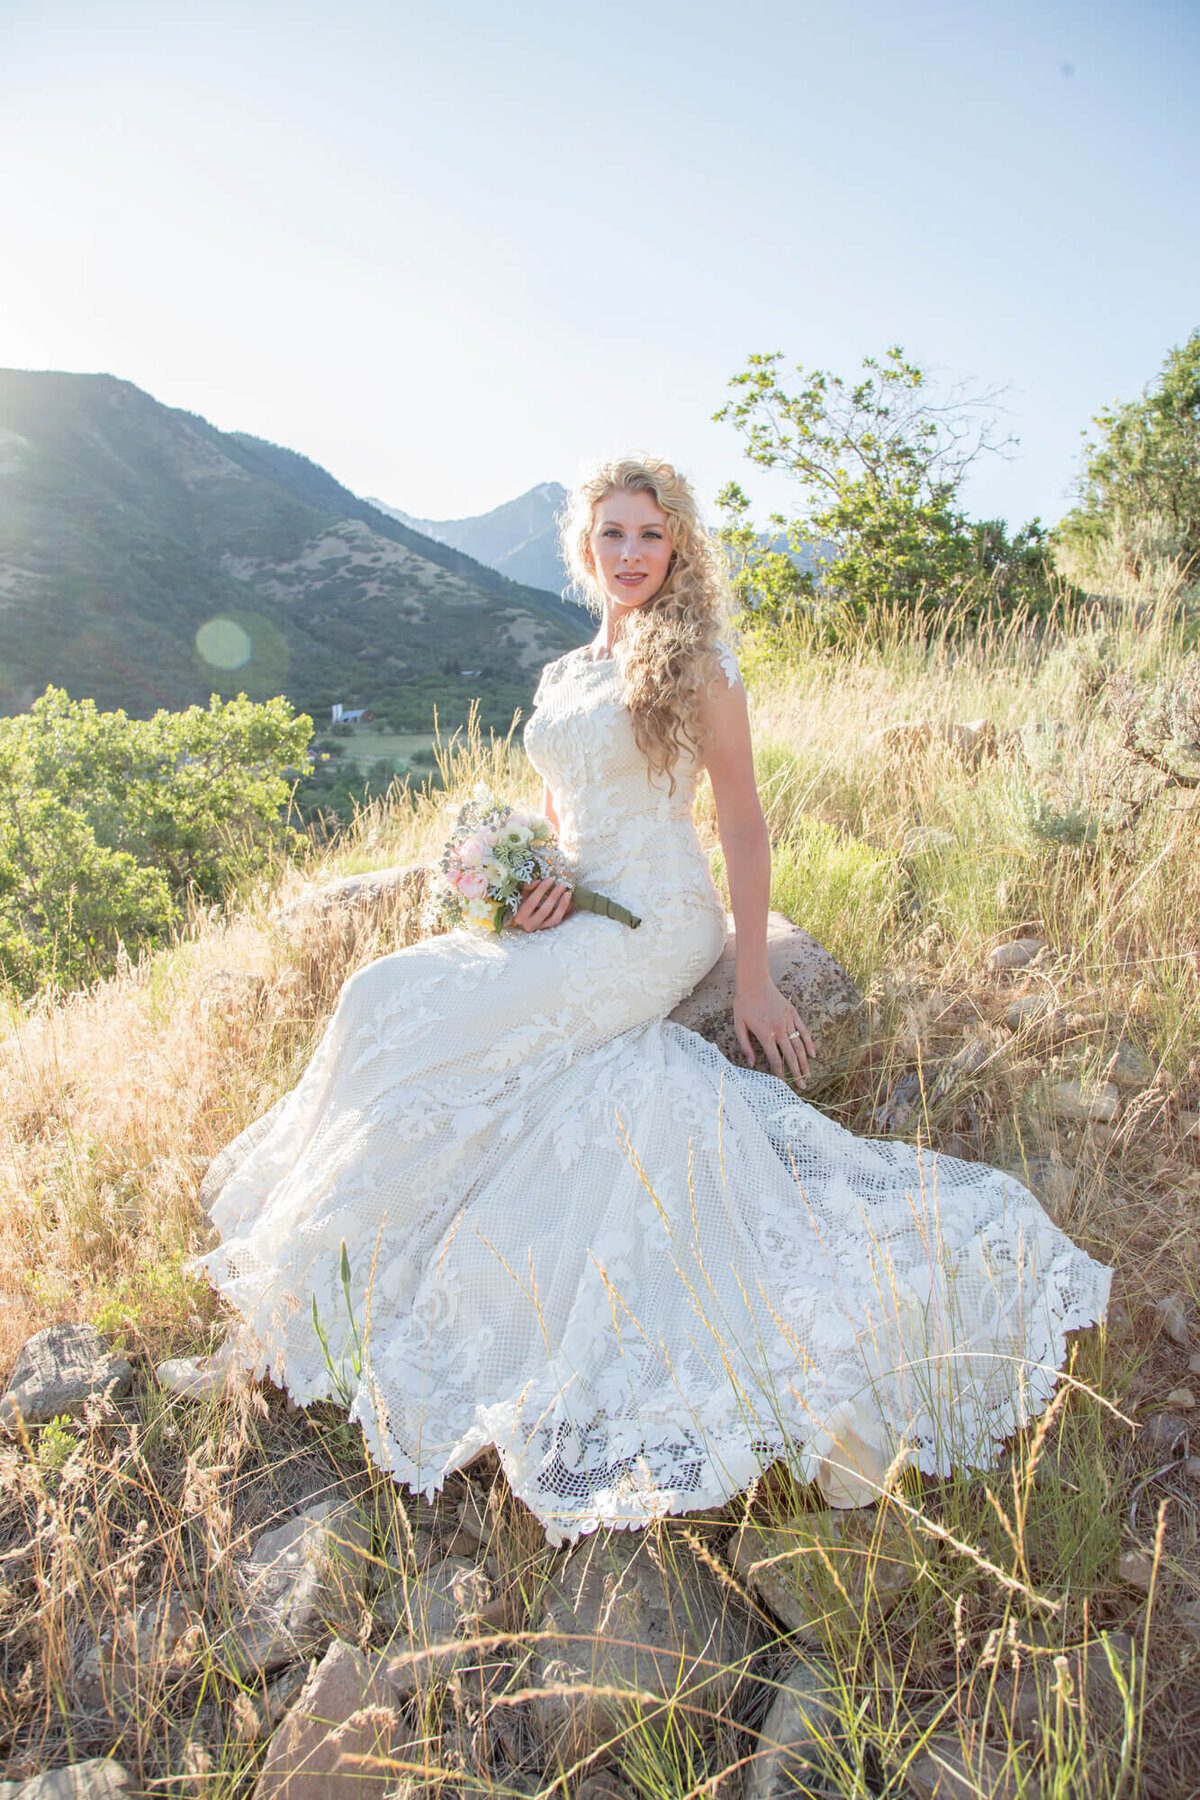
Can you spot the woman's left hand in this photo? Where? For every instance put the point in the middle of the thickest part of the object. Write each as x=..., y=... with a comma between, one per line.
x=762, y=1009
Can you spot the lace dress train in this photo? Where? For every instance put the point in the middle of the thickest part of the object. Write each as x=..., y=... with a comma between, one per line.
x=575, y=1231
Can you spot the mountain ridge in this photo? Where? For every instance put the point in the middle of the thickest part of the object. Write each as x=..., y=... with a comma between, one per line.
x=138, y=543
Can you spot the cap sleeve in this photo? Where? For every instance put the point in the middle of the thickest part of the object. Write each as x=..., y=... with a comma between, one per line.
x=728, y=662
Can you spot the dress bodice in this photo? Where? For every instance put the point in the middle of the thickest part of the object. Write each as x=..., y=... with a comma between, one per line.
x=580, y=739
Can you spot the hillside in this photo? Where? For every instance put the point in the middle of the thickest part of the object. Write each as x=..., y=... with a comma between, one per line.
x=147, y=558
x=519, y=538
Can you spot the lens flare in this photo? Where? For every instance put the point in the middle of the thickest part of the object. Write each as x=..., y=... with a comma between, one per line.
x=224, y=644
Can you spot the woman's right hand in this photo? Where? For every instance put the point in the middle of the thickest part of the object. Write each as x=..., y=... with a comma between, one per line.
x=543, y=903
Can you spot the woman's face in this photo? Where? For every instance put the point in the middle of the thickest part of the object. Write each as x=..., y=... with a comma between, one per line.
x=629, y=547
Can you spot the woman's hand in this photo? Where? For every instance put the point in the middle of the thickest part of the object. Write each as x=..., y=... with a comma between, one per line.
x=762, y=1009
x=543, y=903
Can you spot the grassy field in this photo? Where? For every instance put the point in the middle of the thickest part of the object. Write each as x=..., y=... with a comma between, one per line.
x=912, y=848
x=366, y=745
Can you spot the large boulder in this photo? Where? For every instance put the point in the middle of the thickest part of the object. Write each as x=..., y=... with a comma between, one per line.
x=807, y=975
x=57, y=1371
x=373, y=895
x=300, y=1580
x=635, y=1614
x=330, y=1745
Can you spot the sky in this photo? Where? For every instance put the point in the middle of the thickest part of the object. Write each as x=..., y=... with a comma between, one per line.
x=450, y=250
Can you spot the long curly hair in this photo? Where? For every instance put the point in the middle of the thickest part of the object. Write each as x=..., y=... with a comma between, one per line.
x=668, y=643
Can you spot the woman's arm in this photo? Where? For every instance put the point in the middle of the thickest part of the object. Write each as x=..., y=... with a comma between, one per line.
x=548, y=805
x=758, y=1005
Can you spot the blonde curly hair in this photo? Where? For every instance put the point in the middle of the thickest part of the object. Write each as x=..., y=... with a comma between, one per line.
x=669, y=643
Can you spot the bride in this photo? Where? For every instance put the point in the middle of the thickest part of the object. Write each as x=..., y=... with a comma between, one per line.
x=510, y=1203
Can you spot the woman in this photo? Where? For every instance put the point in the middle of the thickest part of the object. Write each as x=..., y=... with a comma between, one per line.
x=571, y=1228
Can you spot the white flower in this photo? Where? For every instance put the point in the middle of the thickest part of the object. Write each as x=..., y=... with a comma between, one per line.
x=480, y=912
x=515, y=837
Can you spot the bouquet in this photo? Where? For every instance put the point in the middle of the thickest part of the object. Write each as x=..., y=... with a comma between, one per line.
x=493, y=852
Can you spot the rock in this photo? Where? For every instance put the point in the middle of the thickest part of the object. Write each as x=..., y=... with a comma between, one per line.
x=794, y=1736
x=1080, y=1105
x=817, y=986
x=896, y=1112
x=902, y=739
x=1163, y=1434
x=132, y=1659
x=373, y=895
x=1128, y=1069
x=437, y=1604
x=226, y=1163
x=347, y=1709
x=1030, y=1696
x=1191, y=1468
x=1051, y=1181
x=1136, y=1569
x=946, y=1770
x=58, y=1370
x=799, y=1572
x=1015, y=955
x=1030, y=1010
x=98, y=1779
x=604, y=1786
x=300, y=1580
x=1183, y=1398
x=1194, y=1363
x=1187, y=1614
x=1172, y=1316
x=229, y=993
x=972, y=739
x=634, y=1612
x=204, y=1377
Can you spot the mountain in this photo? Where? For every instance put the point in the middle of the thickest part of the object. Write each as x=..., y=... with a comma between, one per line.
x=520, y=538
x=148, y=559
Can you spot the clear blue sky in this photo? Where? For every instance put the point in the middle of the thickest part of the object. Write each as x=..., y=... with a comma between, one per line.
x=453, y=249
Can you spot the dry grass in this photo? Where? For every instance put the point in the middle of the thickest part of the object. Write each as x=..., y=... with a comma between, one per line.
x=911, y=861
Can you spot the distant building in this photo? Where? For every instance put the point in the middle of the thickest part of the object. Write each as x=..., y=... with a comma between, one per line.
x=470, y=671
x=343, y=715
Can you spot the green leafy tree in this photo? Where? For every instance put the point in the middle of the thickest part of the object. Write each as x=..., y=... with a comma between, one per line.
x=108, y=825
x=1141, y=479
x=880, y=463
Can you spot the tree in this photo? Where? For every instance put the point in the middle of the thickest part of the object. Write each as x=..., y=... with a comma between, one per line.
x=1141, y=479
x=108, y=825
x=880, y=463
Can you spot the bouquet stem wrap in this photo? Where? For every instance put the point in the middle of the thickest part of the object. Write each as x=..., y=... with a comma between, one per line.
x=585, y=899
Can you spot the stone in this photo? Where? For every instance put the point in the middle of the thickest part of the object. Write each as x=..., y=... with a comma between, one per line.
x=1051, y=1181
x=143, y=1651
x=1172, y=1317
x=1015, y=955
x=1128, y=1069
x=1080, y=1105
x=203, y=1377
x=1136, y=1569
x=438, y=1603
x=1194, y=1363
x=1163, y=1433
x=895, y=1113
x=58, y=1370
x=1187, y=1613
x=1030, y=1010
x=972, y=739
x=817, y=986
x=945, y=1769
x=902, y=739
x=1183, y=1398
x=827, y=1563
x=97, y=1779
x=372, y=895
x=1191, y=1468
x=300, y=1579
x=635, y=1612
x=794, y=1736
x=346, y=1710
x=226, y=1163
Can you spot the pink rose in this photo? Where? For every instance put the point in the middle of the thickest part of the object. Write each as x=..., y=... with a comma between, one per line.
x=472, y=884
x=471, y=853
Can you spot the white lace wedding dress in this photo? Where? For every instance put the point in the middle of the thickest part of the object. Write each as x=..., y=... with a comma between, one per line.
x=576, y=1232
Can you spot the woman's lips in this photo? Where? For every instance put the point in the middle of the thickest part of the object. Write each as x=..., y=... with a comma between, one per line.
x=630, y=580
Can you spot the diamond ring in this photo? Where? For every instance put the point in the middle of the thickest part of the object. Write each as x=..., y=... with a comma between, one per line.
x=793, y=1034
